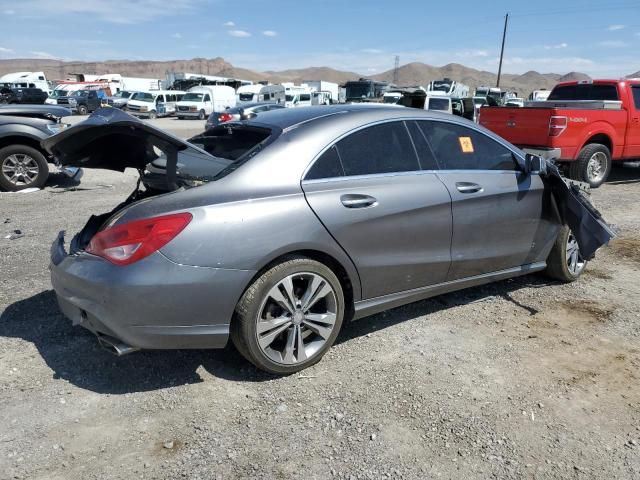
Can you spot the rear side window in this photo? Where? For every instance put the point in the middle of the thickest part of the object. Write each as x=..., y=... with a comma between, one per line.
x=586, y=91
x=635, y=89
x=327, y=166
x=384, y=148
x=460, y=148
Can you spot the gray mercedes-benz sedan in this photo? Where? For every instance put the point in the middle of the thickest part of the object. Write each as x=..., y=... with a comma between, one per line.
x=275, y=231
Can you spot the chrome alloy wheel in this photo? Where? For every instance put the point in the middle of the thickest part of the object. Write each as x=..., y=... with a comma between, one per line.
x=296, y=318
x=575, y=262
x=20, y=169
x=597, y=167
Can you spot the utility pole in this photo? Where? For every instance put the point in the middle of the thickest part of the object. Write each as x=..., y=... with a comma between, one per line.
x=504, y=36
x=395, y=70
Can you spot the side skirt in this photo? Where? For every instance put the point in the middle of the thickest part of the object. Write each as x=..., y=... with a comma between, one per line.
x=371, y=306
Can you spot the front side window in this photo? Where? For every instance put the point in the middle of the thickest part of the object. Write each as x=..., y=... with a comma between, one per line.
x=457, y=147
x=384, y=148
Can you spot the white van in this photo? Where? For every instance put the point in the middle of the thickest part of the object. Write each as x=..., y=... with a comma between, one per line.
x=260, y=93
x=200, y=102
x=160, y=103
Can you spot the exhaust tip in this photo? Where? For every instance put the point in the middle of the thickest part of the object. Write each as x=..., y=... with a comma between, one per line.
x=115, y=346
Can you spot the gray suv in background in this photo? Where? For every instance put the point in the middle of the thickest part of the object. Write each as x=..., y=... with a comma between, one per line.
x=276, y=230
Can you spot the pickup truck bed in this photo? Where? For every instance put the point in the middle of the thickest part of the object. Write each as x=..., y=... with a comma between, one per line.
x=586, y=134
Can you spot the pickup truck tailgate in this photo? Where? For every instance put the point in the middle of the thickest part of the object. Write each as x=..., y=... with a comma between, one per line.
x=520, y=126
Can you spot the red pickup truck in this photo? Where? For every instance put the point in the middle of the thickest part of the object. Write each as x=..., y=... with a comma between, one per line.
x=583, y=125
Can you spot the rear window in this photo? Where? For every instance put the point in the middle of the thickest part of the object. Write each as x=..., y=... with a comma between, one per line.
x=235, y=144
x=584, y=91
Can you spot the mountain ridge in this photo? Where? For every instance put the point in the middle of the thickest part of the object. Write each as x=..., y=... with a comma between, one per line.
x=410, y=74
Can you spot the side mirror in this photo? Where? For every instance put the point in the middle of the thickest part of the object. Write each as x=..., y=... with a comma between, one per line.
x=535, y=164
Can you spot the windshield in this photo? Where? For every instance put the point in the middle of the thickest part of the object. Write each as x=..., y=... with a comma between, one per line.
x=305, y=97
x=439, y=104
x=122, y=94
x=289, y=98
x=193, y=97
x=246, y=97
x=441, y=87
x=143, y=97
x=80, y=93
x=391, y=99
x=59, y=93
x=479, y=100
x=359, y=90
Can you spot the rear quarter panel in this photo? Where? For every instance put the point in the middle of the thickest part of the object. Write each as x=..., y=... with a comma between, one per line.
x=250, y=234
x=584, y=124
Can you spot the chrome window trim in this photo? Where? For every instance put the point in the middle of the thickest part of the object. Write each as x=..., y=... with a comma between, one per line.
x=472, y=126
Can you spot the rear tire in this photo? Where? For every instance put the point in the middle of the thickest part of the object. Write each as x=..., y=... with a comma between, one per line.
x=565, y=263
x=284, y=337
x=22, y=167
x=592, y=166
x=82, y=110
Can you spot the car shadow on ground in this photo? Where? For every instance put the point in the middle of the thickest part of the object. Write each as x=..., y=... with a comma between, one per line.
x=75, y=356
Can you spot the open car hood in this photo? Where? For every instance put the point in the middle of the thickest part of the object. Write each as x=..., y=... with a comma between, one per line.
x=114, y=140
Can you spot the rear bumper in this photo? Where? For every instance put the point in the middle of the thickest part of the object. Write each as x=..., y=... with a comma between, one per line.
x=546, y=153
x=152, y=304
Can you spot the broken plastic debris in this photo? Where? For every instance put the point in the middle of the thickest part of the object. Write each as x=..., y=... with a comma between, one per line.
x=15, y=234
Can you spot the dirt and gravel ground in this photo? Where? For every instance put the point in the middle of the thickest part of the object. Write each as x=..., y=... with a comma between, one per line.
x=521, y=379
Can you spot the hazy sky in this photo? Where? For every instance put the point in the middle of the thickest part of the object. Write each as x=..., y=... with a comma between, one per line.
x=601, y=38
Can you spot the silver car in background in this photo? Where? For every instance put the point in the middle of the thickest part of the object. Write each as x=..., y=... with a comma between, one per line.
x=275, y=231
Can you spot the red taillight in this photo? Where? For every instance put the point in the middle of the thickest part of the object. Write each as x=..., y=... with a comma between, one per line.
x=557, y=125
x=127, y=243
x=225, y=117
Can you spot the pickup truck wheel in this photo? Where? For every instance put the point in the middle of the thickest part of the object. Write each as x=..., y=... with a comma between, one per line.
x=201, y=115
x=565, y=262
x=153, y=115
x=82, y=110
x=593, y=165
x=22, y=167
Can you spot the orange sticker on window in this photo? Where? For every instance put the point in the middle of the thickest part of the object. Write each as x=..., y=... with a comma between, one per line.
x=465, y=144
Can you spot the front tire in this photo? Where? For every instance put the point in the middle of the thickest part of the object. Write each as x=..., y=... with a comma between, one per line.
x=153, y=115
x=202, y=115
x=289, y=317
x=82, y=110
x=22, y=167
x=565, y=263
x=593, y=165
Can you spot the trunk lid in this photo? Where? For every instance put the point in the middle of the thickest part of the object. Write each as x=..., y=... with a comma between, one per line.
x=113, y=140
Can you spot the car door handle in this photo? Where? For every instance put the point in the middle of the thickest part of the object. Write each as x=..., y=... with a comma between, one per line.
x=355, y=200
x=468, y=187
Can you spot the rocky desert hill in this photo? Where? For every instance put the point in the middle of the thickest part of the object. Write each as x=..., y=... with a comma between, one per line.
x=410, y=74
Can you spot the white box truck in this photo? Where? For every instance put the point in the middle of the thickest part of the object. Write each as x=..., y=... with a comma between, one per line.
x=200, y=102
x=330, y=88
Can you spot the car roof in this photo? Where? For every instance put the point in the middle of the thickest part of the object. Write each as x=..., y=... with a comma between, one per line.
x=288, y=118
